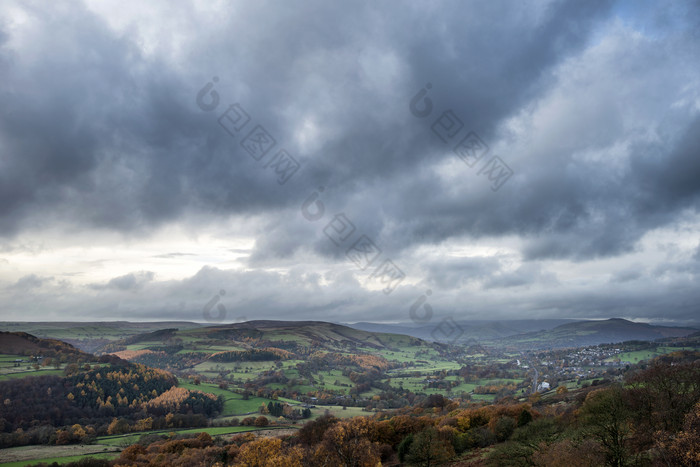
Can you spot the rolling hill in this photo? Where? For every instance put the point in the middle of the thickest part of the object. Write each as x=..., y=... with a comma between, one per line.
x=90, y=336
x=584, y=333
x=468, y=330
x=25, y=344
x=295, y=336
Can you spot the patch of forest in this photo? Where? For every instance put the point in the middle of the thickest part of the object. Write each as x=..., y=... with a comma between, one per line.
x=88, y=400
x=653, y=418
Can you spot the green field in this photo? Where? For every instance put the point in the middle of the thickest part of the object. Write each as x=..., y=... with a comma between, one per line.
x=8, y=370
x=60, y=460
x=131, y=438
x=234, y=404
x=641, y=355
x=89, y=331
x=25, y=455
x=338, y=411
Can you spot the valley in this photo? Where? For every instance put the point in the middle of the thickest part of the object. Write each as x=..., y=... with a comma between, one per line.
x=266, y=376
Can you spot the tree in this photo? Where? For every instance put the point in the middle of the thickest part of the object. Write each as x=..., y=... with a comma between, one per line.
x=314, y=430
x=607, y=417
x=268, y=452
x=118, y=426
x=404, y=446
x=524, y=418
x=352, y=442
x=79, y=433
x=568, y=453
x=428, y=448
x=503, y=428
x=663, y=394
x=684, y=448
x=261, y=421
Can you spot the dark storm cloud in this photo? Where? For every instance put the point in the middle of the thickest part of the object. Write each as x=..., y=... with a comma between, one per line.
x=627, y=275
x=99, y=131
x=106, y=136
x=103, y=135
x=455, y=273
x=525, y=275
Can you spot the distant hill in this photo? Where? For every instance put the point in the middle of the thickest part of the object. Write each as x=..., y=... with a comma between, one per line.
x=466, y=331
x=320, y=334
x=276, y=350
x=21, y=343
x=583, y=333
x=90, y=336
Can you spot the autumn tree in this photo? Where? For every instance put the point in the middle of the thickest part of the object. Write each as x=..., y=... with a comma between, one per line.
x=351, y=443
x=429, y=448
x=261, y=421
x=684, y=448
x=268, y=452
x=314, y=430
x=569, y=453
x=524, y=418
x=607, y=417
x=118, y=426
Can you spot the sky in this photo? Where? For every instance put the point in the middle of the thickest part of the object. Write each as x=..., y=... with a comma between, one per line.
x=349, y=161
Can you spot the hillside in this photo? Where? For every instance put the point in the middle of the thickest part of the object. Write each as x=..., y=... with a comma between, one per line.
x=585, y=333
x=471, y=330
x=300, y=337
x=21, y=343
x=90, y=336
x=289, y=358
x=319, y=334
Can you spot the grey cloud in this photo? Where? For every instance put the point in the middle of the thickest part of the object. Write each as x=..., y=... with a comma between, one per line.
x=173, y=255
x=454, y=273
x=627, y=275
x=525, y=275
x=128, y=282
x=102, y=134
x=31, y=281
x=147, y=144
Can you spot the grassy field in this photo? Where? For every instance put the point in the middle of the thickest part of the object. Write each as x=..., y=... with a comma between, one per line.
x=641, y=355
x=234, y=404
x=86, y=331
x=131, y=438
x=33, y=454
x=9, y=370
x=338, y=411
x=60, y=460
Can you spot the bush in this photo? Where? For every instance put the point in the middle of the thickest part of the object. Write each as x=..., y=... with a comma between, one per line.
x=248, y=421
x=404, y=446
x=524, y=418
x=504, y=428
x=261, y=421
